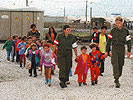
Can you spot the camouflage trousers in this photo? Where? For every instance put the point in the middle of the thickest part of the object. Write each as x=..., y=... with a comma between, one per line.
x=64, y=61
x=117, y=60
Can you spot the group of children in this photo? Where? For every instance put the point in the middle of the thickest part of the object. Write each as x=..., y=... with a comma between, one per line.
x=35, y=51
x=39, y=53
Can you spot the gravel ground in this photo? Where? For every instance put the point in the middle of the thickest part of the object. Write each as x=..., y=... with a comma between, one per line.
x=15, y=84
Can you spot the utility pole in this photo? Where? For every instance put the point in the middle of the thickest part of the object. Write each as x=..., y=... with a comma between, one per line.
x=90, y=19
x=86, y=23
x=27, y=3
x=106, y=14
x=64, y=12
x=86, y=11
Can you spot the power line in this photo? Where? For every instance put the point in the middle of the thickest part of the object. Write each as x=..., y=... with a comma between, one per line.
x=64, y=1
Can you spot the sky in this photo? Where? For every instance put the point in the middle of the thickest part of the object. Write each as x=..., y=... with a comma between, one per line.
x=75, y=7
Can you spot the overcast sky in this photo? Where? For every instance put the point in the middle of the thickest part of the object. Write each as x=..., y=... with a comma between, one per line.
x=75, y=7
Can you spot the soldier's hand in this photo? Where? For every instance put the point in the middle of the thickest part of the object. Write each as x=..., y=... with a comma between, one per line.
x=110, y=53
x=128, y=54
x=77, y=57
x=106, y=54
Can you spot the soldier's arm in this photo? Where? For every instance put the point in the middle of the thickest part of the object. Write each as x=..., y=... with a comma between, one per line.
x=75, y=51
x=128, y=40
x=74, y=45
x=109, y=41
x=56, y=43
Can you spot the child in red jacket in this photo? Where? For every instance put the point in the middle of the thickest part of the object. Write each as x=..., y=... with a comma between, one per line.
x=93, y=62
x=82, y=66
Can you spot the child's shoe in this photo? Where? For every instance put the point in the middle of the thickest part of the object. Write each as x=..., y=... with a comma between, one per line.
x=8, y=59
x=20, y=65
x=30, y=75
x=100, y=74
x=24, y=65
x=96, y=81
x=35, y=75
x=84, y=83
x=92, y=83
x=52, y=72
x=46, y=81
x=49, y=82
x=80, y=83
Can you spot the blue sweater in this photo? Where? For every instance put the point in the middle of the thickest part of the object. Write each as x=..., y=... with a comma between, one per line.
x=21, y=50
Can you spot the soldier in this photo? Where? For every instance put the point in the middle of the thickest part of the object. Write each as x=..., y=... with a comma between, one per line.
x=65, y=42
x=119, y=36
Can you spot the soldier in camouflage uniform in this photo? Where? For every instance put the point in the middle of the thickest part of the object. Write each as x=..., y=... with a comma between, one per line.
x=119, y=36
x=65, y=42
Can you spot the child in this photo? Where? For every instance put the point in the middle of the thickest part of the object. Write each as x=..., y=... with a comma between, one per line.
x=38, y=43
x=51, y=45
x=8, y=47
x=17, y=50
x=22, y=48
x=28, y=45
x=46, y=60
x=34, y=56
x=34, y=39
x=43, y=42
x=13, y=47
x=82, y=66
x=93, y=62
x=29, y=42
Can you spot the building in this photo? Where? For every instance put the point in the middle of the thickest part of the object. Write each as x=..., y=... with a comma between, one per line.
x=18, y=21
x=53, y=19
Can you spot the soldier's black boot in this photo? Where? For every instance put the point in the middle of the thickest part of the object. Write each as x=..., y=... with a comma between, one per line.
x=117, y=83
x=62, y=83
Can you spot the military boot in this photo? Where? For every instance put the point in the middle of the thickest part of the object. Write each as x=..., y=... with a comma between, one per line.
x=63, y=83
x=117, y=83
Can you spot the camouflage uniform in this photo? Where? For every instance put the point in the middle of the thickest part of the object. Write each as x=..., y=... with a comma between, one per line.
x=64, y=55
x=118, y=38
